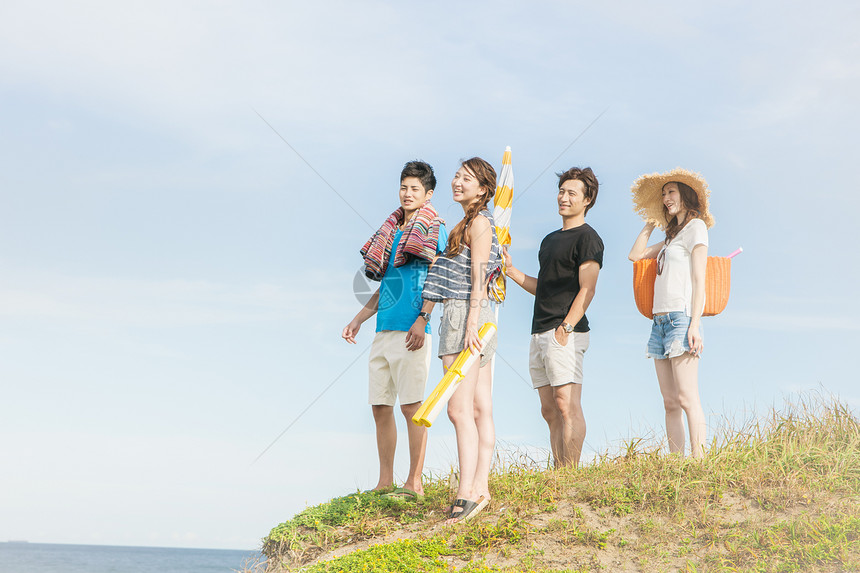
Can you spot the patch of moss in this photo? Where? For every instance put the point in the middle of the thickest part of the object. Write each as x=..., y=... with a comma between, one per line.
x=404, y=556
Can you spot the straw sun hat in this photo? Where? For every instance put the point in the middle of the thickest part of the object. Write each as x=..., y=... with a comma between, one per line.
x=647, y=194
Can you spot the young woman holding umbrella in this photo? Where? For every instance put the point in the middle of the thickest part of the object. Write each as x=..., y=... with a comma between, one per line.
x=460, y=279
x=676, y=201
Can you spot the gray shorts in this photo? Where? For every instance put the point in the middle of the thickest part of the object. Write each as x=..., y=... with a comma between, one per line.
x=452, y=331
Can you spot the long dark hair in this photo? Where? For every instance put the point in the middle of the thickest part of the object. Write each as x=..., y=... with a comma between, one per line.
x=486, y=176
x=690, y=199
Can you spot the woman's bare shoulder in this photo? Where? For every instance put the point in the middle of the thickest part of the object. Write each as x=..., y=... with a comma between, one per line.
x=480, y=223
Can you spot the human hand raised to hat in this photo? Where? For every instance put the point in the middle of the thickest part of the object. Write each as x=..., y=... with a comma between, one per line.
x=640, y=248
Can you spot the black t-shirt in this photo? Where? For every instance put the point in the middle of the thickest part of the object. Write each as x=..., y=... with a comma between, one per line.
x=561, y=253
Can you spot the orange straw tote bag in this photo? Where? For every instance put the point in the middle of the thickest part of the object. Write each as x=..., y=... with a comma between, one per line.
x=718, y=278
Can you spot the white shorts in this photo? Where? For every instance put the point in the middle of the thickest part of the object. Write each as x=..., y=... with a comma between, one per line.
x=554, y=364
x=395, y=371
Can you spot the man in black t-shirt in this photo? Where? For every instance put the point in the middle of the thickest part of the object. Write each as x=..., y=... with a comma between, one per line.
x=570, y=260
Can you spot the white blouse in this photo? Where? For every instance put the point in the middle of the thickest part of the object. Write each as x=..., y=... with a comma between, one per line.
x=673, y=289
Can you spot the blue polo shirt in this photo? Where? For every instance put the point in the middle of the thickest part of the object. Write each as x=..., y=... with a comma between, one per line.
x=401, y=287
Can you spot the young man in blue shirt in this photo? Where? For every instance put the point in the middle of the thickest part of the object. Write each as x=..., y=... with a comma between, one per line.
x=399, y=255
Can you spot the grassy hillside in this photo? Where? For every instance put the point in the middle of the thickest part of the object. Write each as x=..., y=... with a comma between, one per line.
x=781, y=494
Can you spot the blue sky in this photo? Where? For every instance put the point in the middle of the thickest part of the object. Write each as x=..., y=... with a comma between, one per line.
x=175, y=277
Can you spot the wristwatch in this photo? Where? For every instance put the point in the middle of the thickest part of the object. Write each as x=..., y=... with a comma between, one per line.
x=424, y=315
x=568, y=328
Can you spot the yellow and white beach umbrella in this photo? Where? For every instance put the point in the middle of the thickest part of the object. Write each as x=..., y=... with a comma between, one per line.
x=429, y=410
x=502, y=216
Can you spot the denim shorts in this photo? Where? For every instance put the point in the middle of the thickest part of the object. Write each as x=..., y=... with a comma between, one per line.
x=669, y=335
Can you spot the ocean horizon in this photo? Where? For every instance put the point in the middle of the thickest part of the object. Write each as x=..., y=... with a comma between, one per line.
x=27, y=557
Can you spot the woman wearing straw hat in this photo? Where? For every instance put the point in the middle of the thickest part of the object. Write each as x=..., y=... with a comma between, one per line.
x=677, y=202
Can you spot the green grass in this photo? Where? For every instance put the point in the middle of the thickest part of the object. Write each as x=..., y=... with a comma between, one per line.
x=347, y=518
x=407, y=556
x=780, y=494
x=801, y=544
x=402, y=556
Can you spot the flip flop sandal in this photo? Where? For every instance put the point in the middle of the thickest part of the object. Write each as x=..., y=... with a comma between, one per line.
x=383, y=491
x=404, y=494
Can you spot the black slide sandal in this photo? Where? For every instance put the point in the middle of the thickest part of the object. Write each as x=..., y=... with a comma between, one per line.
x=467, y=506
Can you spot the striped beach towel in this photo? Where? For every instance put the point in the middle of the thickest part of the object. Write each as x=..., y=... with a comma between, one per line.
x=422, y=238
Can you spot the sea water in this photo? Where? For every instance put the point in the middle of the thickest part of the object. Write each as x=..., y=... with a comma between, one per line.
x=18, y=557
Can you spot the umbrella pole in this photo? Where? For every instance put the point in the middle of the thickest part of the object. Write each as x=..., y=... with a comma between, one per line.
x=493, y=359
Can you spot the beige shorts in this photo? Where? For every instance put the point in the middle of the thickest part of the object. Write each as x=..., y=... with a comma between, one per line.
x=397, y=372
x=554, y=364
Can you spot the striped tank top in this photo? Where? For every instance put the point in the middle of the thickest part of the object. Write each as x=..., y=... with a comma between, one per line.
x=451, y=277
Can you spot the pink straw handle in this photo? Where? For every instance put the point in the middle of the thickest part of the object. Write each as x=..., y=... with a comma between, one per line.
x=736, y=253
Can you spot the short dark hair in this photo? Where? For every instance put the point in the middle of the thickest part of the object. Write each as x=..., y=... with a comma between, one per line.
x=586, y=175
x=422, y=171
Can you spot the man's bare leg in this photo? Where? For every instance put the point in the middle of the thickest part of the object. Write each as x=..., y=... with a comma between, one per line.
x=568, y=399
x=386, y=442
x=417, y=448
x=550, y=413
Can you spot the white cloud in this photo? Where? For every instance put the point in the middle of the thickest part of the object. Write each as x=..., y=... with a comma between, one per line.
x=818, y=311
x=782, y=321
x=198, y=69
x=178, y=302
x=181, y=63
